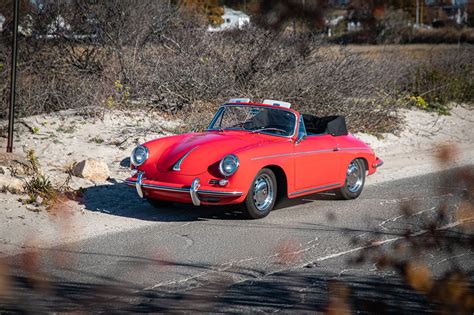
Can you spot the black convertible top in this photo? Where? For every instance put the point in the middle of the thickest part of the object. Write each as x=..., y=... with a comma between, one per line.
x=334, y=125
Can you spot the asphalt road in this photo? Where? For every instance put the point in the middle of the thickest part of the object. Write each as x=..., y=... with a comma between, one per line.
x=210, y=259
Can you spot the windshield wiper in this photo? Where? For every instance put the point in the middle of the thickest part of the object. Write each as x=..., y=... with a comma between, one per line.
x=268, y=129
x=234, y=128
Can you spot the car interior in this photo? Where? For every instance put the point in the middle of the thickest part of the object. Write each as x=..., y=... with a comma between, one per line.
x=272, y=119
x=333, y=125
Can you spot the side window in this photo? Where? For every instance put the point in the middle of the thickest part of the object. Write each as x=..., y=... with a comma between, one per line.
x=301, y=129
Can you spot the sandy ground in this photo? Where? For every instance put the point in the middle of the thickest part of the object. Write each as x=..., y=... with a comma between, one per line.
x=414, y=151
x=64, y=138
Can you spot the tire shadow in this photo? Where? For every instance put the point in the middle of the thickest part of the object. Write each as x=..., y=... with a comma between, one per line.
x=118, y=199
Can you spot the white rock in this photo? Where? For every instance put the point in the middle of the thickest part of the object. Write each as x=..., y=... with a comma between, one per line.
x=91, y=169
x=13, y=184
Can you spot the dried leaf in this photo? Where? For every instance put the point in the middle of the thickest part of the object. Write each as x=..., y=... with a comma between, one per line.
x=465, y=214
x=418, y=276
x=456, y=287
x=4, y=281
x=446, y=153
x=338, y=303
x=287, y=252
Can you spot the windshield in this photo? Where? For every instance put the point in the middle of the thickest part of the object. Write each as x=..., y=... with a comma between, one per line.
x=272, y=121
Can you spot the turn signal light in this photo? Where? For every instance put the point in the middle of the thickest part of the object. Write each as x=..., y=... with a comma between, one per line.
x=223, y=182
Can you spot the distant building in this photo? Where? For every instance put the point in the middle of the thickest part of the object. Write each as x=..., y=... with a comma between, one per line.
x=58, y=26
x=441, y=13
x=233, y=19
x=436, y=13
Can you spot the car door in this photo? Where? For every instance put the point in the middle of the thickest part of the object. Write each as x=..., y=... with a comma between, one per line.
x=315, y=161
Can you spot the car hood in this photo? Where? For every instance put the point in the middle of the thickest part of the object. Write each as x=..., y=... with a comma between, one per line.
x=204, y=150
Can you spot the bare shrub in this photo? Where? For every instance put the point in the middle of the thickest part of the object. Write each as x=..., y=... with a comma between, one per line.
x=170, y=63
x=445, y=77
x=77, y=66
x=260, y=64
x=443, y=35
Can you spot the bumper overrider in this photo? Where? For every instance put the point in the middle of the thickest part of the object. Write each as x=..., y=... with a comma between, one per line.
x=378, y=163
x=194, y=192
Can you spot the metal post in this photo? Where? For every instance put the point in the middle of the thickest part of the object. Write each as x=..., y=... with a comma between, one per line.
x=421, y=11
x=417, y=23
x=11, y=114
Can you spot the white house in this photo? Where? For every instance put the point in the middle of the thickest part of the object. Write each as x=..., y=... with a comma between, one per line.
x=58, y=26
x=233, y=19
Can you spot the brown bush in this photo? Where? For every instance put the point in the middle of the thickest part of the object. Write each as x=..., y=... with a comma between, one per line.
x=443, y=35
x=257, y=63
x=444, y=77
x=171, y=63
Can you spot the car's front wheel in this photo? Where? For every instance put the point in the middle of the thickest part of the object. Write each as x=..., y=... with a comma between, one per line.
x=355, y=179
x=262, y=195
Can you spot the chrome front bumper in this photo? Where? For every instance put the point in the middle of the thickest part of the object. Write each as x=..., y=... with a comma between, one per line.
x=194, y=190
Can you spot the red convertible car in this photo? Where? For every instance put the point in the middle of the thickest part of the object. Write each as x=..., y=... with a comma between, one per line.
x=252, y=154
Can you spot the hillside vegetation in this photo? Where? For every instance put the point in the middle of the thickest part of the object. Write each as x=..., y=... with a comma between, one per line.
x=170, y=63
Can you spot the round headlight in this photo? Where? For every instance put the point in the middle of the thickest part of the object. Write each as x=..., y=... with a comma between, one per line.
x=139, y=155
x=229, y=165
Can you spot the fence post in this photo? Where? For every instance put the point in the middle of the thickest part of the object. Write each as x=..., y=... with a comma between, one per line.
x=11, y=116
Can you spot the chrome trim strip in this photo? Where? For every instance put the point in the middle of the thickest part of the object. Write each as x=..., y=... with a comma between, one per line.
x=214, y=119
x=314, y=189
x=304, y=153
x=186, y=190
x=290, y=154
x=177, y=165
x=271, y=156
x=352, y=149
x=166, y=188
x=220, y=193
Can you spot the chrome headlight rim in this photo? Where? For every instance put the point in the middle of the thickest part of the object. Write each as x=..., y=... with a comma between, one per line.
x=221, y=165
x=132, y=157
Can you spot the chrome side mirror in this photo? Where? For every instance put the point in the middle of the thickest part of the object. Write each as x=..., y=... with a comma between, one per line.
x=300, y=138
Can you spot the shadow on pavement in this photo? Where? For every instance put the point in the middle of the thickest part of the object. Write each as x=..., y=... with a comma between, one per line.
x=308, y=291
x=120, y=200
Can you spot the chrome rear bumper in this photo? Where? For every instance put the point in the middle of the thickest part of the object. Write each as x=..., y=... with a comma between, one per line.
x=378, y=163
x=194, y=190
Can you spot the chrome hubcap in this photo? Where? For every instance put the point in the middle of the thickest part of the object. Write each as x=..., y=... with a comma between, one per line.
x=263, y=192
x=354, y=177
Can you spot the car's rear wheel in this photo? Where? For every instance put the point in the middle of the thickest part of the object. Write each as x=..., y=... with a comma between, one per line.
x=159, y=203
x=355, y=179
x=262, y=195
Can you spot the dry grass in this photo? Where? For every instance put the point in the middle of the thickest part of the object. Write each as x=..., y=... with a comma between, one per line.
x=170, y=63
